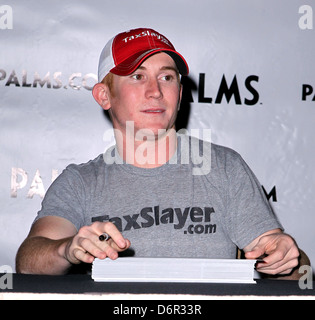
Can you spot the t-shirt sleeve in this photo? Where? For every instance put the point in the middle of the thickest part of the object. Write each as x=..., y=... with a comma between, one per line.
x=65, y=198
x=249, y=213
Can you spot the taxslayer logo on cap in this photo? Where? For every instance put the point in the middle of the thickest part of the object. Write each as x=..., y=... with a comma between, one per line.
x=124, y=53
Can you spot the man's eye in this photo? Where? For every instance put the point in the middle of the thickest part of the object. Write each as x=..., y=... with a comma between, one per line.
x=137, y=76
x=167, y=78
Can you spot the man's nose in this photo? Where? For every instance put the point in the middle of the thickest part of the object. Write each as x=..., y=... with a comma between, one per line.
x=153, y=89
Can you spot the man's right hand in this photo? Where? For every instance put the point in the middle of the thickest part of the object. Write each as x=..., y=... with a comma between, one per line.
x=85, y=245
x=54, y=244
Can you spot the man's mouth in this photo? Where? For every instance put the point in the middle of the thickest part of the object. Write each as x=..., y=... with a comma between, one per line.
x=153, y=110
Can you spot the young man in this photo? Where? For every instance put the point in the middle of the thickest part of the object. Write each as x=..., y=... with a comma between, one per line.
x=151, y=193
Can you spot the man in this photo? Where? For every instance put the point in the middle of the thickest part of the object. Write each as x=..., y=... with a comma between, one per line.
x=151, y=193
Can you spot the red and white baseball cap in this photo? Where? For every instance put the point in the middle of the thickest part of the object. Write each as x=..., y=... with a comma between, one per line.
x=124, y=53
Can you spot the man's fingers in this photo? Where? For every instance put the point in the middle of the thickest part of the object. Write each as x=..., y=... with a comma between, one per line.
x=280, y=261
x=86, y=245
x=89, y=246
x=82, y=256
x=116, y=236
x=117, y=240
x=119, y=248
x=100, y=249
x=277, y=268
x=255, y=253
x=88, y=251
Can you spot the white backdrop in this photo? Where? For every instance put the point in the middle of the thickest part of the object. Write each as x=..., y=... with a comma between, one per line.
x=254, y=59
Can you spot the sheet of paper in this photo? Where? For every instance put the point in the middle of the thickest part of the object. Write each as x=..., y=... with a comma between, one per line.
x=173, y=270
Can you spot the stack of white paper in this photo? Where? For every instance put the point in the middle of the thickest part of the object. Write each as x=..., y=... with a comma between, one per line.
x=173, y=270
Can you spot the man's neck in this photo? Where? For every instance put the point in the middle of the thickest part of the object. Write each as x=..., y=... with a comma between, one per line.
x=147, y=152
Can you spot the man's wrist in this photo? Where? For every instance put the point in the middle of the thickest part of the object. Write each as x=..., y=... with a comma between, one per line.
x=63, y=251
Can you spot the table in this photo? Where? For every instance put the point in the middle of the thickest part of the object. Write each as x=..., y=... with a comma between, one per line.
x=82, y=286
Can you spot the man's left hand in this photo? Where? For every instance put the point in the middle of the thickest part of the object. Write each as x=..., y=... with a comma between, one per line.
x=280, y=249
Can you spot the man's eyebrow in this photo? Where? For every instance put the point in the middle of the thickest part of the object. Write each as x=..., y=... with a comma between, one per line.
x=170, y=68
x=162, y=68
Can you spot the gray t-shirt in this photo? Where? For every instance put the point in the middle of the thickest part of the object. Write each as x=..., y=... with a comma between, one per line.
x=172, y=210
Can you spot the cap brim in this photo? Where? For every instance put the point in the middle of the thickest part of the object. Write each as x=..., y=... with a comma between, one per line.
x=131, y=64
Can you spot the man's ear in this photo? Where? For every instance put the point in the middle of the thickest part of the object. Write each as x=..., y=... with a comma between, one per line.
x=100, y=93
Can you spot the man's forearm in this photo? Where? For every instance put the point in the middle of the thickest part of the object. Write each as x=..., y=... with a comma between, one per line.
x=40, y=255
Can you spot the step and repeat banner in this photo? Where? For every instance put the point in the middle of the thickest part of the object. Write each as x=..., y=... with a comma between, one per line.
x=252, y=82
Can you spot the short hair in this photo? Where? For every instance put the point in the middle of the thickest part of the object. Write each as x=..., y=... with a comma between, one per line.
x=109, y=81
